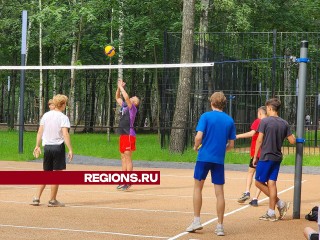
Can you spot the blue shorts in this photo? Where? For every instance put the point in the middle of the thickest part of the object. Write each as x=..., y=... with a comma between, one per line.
x=267, y=170
x=217, y=172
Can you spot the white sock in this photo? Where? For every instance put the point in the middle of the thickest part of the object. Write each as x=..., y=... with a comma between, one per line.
x=280, y=203
x=219, y=225
x=271, y=212
x=196, y=219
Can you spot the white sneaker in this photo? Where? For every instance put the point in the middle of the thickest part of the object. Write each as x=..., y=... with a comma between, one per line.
x=194, y=226
x=219, y=230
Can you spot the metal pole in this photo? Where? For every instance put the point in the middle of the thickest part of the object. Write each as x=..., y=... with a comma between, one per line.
x=300, y=128
x=274, y=62
x=22, y=78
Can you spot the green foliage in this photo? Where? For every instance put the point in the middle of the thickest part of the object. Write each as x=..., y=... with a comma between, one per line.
x=97, y=145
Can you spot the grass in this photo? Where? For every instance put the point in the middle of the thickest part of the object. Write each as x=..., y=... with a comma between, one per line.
x=97, y=145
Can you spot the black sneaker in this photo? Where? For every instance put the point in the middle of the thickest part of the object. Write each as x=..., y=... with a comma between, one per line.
x=244, y=197
x=254, y=202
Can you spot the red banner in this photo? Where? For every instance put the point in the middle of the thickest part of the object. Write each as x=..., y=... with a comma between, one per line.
x=79, y=177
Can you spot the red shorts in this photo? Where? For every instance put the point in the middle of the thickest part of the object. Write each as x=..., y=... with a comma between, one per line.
x=127, y=143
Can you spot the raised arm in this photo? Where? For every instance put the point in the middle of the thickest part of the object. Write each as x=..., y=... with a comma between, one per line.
x=125, y=95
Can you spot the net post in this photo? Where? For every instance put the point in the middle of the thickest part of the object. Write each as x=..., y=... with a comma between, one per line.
x=300, y=128
x=22, y=78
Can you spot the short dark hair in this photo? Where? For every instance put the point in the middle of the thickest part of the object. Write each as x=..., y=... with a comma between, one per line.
x=218, y=100
x=274, y=103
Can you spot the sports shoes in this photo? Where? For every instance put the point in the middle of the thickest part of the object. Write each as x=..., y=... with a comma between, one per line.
x=219, y=230
x=126, y=187
x=194, y=227
x=55, y=203
x=35, y=201
x=266, y=217
x=254, y=202
x=244, y=197
x=283, y=210
x=120, y=187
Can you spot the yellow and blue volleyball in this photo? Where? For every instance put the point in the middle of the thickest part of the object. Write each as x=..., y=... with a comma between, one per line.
x=109, y=51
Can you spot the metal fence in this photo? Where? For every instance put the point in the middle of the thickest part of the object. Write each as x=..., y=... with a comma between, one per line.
x=249, y=68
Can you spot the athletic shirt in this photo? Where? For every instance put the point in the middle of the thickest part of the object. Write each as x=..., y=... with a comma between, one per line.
x=127, y=117
x=52, y=123
x=217, y=128
x=254, y=126
x=275, y=130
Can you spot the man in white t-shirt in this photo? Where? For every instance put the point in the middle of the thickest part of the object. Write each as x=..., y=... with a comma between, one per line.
x=53, y=132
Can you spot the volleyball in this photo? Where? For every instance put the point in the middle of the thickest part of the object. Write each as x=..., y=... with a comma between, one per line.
x=109, y=51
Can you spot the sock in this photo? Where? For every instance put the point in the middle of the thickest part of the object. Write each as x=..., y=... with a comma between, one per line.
x=271, y=212
x=219, y=225
x=280, y=203
x=196, y=219
x=254, y=198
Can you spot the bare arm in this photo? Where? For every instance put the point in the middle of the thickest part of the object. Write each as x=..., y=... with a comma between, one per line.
x=258, y=146
x=197, y=140
x=246, y=135
x=125, y=95
x=230, y=145
x=118, y=97
x=37, y=149
x=67, y=141
x=292, y=139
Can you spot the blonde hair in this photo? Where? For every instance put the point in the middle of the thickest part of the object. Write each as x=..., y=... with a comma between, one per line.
x=218, y=100
x=50, y=102
x=59, y=100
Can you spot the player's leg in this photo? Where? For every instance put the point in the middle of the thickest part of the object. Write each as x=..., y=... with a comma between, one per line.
x=200, y=173
x=218, y=179
x=128, y=160
x=59, y=164
x=246, y=195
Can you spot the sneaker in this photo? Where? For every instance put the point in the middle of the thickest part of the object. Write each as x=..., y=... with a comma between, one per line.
x=254, y=202
x=266, y=217
x=55, y=203
x=35, y=202
x=194, y=227
x=120, y=187
x=283, y=210
x=244, y=197
x=126, y=187
x=219, y=230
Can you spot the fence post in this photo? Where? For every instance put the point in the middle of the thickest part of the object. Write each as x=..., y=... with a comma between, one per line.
x=274, y=61
x=300, y=128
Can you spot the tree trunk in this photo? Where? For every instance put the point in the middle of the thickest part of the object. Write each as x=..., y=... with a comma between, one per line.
x=201, y=73
x=120, y=57
x=41, y=111
x=180, y=118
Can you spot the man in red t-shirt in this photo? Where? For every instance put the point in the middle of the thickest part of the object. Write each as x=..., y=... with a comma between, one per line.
x=253, y=133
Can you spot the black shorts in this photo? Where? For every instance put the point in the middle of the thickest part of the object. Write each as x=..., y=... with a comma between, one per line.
x=251, y=163
x=54, y=157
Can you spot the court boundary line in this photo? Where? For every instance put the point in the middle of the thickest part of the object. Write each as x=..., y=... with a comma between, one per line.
x=112, y=208
x=82, y=231
x=232, y=212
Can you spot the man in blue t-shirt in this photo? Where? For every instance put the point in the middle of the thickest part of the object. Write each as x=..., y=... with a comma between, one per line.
x=273, y=130
x=216, y=133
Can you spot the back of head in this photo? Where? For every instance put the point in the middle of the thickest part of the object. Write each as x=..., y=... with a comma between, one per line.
x=218, y=100
x=59, y=100
x=274, y=103
x=262, y=110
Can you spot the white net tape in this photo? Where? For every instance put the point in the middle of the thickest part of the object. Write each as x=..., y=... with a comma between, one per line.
x=141, y=66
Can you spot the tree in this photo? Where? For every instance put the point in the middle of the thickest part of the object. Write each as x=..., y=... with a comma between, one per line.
x=179, y=124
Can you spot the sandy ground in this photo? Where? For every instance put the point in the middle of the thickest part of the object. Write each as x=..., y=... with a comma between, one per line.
x=147, y=212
